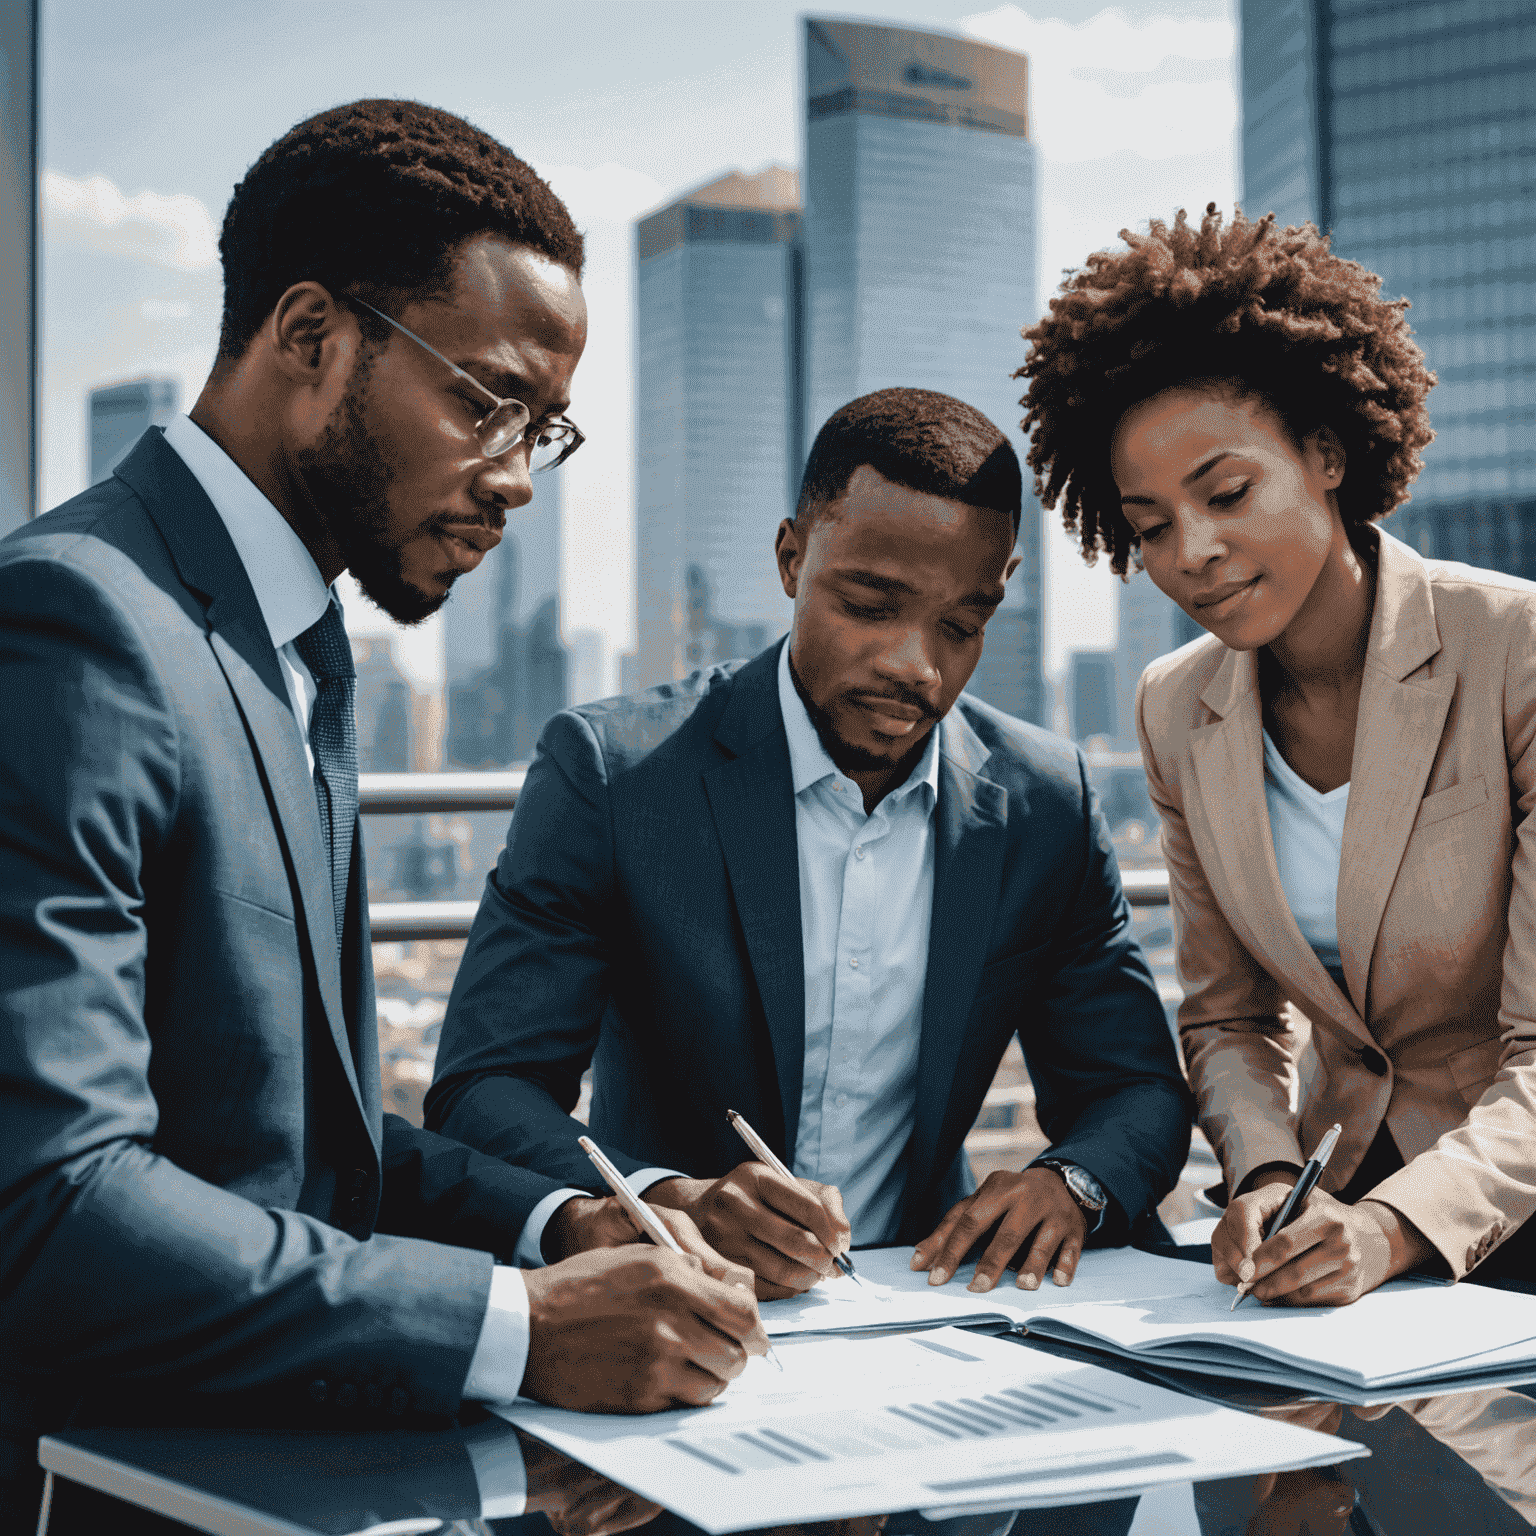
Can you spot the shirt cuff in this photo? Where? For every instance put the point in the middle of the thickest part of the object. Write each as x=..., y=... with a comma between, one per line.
x=529, y=1253
x=642, y=1181
x=503, y=1479
x=501, y=1355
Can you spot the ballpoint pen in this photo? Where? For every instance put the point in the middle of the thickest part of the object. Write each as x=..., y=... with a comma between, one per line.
x=765, y=1154
x=1296, y=1199
x=639, y=1212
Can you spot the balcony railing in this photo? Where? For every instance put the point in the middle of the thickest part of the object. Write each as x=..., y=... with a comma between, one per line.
x=455, y=793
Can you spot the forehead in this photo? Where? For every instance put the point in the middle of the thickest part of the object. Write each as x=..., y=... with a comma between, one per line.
x=503, y=294
x=910, y=530
x=1181, y=427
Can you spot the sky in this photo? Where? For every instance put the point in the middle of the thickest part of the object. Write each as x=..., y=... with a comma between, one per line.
x=152, y=112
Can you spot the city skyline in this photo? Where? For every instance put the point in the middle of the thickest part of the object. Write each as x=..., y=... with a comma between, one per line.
x=1134, y=108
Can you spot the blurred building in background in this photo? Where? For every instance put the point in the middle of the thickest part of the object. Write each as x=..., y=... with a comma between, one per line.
x=119, y=414
x=1149, y=625
x=718, y=420
x=507, y=665
x=1408, y=130
x=921, y=199
x=1091, y=698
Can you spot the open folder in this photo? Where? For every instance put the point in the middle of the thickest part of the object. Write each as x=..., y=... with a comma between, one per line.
x=1407, y=1337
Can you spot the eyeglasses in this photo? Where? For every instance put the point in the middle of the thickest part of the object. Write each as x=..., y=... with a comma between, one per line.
x=505, y=424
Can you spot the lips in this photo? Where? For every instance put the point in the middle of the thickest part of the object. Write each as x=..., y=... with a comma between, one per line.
x=464, y=551
x=1222, y=601
x=890, y=716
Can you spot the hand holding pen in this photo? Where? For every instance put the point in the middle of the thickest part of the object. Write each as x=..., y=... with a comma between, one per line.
x=1294, y=1203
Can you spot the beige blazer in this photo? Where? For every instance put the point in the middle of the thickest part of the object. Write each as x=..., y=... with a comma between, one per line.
x=1437, y=908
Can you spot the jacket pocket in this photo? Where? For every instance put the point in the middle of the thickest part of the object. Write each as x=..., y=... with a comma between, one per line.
x=1474, y=1068
x=1445, y=803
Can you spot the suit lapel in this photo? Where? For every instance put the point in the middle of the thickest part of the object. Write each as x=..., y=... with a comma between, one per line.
x=1400, y=725
x=970, y=839
x=207, y=562
x=751, y=798
x=1228, y=762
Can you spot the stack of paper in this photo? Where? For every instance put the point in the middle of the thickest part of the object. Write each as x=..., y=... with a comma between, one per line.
x=1409, y=1337
x=942, y=1419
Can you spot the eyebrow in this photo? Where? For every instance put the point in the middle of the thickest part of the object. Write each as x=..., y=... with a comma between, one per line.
x=1189, y=479
x=506, y=383
x=894, y=586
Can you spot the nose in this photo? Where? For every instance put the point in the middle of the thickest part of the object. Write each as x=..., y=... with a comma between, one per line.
x=909, y=662
x=504, y=483
x=1199, y=539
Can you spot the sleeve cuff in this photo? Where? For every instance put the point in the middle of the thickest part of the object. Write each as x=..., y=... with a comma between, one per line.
x=501, y=1355
x=529, y=1253
x=501, y=1474
x=642, y=1180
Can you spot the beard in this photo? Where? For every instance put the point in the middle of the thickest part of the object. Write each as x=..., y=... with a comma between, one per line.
x=848, y=756
x=348, y=474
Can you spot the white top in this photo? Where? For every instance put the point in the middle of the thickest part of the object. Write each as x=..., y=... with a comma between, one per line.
x=1307, y=827
x=292, y=595
x=866, y=898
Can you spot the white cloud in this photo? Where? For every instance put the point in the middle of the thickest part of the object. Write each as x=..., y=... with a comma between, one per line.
x=175, y=231
x=1077, y=117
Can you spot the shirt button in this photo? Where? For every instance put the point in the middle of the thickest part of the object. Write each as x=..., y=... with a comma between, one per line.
x=854, y=962
x=838, y=787
x=842, y=1100
x=858, y=853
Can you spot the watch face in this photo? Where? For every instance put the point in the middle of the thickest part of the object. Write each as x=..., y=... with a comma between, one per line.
x=1085, y=1188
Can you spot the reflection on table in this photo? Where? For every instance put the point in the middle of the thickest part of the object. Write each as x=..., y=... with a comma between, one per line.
x=1461, y=1463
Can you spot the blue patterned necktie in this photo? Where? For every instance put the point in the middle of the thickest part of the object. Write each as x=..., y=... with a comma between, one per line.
x=327, y=653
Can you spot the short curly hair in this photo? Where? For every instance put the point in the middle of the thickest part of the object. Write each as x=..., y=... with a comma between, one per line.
x=375, y=197
x=917, y=438
x=1268, y=313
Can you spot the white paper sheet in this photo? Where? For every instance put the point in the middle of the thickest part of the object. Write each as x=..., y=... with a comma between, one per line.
x=868, y=1424
x=892, y=1295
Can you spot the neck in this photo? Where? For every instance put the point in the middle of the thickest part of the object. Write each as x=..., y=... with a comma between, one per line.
x=245, y=421
x=1322, y=650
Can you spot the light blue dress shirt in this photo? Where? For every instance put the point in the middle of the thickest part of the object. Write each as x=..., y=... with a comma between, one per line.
x=866, y=900
x=1307, y=829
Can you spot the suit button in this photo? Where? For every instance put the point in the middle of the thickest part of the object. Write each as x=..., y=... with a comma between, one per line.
x=1373, y=1061
x=399, y=1401
x=359, y=1180
x=317, y=1391
x=346, y=1396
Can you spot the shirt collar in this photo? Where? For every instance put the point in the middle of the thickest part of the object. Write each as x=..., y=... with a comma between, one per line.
x=809, y=763
x=289, y=588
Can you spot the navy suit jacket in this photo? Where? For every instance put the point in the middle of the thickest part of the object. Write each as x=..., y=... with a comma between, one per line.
x=645, y=917
x=193, y=1158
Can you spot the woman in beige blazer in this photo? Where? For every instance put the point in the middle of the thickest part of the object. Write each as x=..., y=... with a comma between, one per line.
x=1239, y=405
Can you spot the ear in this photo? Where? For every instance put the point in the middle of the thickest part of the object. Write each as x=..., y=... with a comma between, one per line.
x=311, y=336
x=1330, y=455
x=789, y=551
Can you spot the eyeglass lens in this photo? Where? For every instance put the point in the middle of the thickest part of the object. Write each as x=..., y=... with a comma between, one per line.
x=506, y=425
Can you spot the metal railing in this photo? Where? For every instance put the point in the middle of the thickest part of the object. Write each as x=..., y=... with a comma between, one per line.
x=450, y=793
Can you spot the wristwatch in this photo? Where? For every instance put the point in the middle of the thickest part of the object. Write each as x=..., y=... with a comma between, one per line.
x=1081, y=1185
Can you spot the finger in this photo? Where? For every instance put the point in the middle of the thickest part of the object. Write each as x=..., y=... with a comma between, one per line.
x=1006, y=1243
x=1306, y=1232
x=923, y=1254
x=731, y=1311
x=1067, y=1257
x=1317, y=1264
x=983, y=1211
x=691, y=1240
x=1037, y=1263
x=798, y=1208
x=752, y=1209
x=770, y=1264
x=831, y=1198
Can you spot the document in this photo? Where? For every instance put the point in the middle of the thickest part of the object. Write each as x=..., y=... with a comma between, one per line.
x=1402, y=1338
x=858, y=1425
x=892, y=1295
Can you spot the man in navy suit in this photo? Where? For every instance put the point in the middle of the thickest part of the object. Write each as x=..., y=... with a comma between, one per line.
x=204, y=1215
x=825, y=888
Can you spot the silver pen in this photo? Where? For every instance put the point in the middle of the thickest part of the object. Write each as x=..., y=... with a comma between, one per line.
x=639, y=1212
x=766, y=1154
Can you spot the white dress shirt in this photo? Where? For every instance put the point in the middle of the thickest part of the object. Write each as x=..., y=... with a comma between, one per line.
x=1307, y=828
x=292, y=595
x=866, y=901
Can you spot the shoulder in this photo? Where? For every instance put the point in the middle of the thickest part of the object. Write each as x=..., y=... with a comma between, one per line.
x=1466, y=597
x=624, y=731
x=1040, y=770
x=1180, y=677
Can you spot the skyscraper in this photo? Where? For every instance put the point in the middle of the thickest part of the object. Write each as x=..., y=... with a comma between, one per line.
x=718, y=423
x=119, y=415
x=920, y=236
x=1408, y=130
x=506, y=662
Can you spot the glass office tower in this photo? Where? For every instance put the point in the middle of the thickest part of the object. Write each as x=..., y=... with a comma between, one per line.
x=920, y=235
x=1409, y=130
x=718, y=420
x=118, y=415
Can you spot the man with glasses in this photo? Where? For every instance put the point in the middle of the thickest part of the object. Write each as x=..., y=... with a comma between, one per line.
x=204, y=1215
